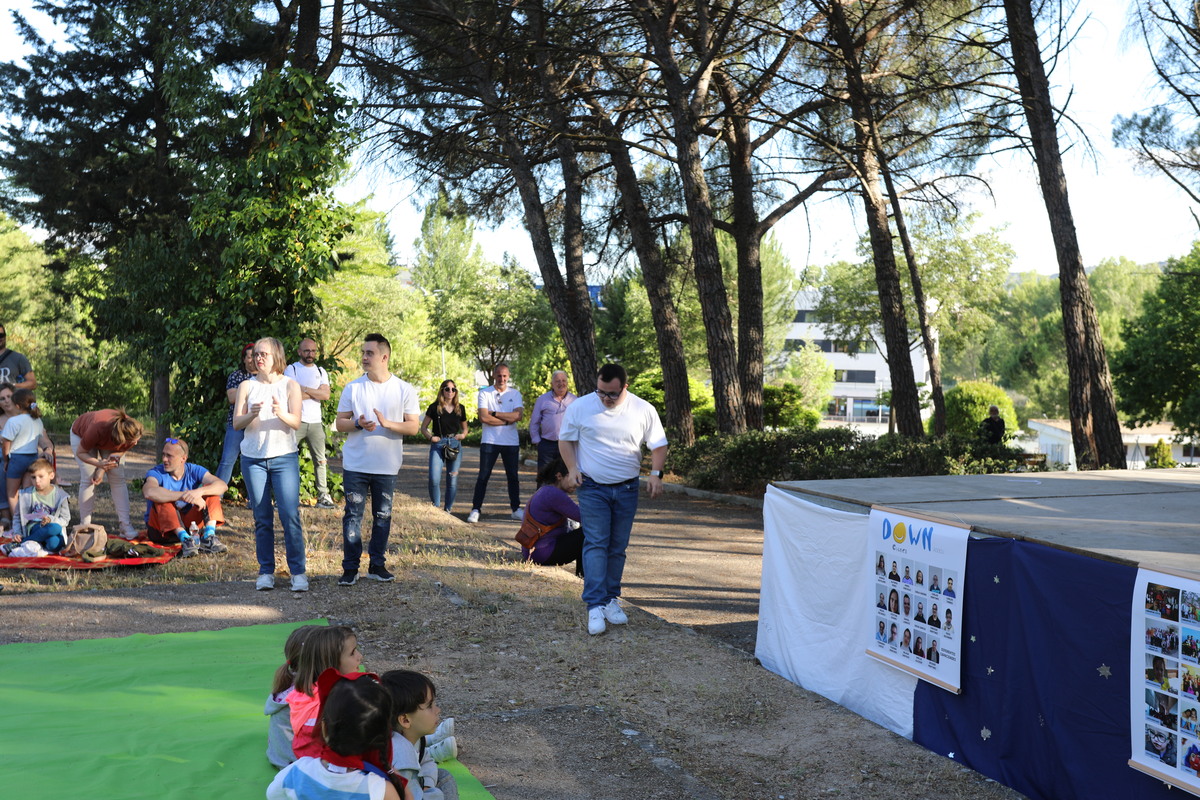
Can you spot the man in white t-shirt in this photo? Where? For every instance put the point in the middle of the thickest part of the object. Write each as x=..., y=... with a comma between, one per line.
x=377, y=410
x=600, y=441
x=500, y=409
x=314, y=389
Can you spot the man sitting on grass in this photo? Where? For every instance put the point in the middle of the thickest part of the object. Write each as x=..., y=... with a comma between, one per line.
x=179, y=495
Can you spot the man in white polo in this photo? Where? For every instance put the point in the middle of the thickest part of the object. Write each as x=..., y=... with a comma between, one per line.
x=601, y=442
x=500, y=409
x=314, y=389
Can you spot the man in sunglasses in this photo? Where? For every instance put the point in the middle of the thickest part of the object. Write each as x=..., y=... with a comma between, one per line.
x=14, y=367
x=179, y=495
x=601, y=442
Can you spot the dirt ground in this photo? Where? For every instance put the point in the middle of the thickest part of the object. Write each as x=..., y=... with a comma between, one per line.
x=653, y=709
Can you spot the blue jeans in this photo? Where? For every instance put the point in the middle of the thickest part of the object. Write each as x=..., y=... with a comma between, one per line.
x=48, y=534
x=547, y=452
x=230, y=451
x=509, y=454
x=278, y=476
x=356, y=485
x=437, y=463
x=607, y=516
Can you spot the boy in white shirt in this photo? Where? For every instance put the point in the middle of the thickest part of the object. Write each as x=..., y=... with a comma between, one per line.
x=417, y=716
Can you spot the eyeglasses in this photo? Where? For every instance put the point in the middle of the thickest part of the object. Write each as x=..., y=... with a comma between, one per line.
x=610, y=395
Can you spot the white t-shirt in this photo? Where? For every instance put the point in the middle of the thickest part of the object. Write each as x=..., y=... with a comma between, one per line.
x=23, y=431
x=508, y=400
x=309, y=378
x=377, y=452
x=267, y=436
x=610, y=440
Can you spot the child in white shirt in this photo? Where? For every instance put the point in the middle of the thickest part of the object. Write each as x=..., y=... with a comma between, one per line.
x=417, y=716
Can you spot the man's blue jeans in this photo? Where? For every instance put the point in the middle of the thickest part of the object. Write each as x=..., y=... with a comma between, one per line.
x=356, y=486
x=509, y=454
x=607, y=513
x=230, y=450
x=437, y=461
x=278, y=476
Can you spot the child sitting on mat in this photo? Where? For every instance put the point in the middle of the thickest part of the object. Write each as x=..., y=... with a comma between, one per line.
x=335, y=647
x=42, y=512
x=279, y=726
x=416, y=717
x=355, y=714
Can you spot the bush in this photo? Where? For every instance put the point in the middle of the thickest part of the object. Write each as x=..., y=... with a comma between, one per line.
x=783, y=407
x=76, y=390
x=967, y=405
x=1160, y=456
x=748, y=462
x=648, y=385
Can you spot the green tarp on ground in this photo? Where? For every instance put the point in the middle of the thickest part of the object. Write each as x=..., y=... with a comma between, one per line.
x=175, y=715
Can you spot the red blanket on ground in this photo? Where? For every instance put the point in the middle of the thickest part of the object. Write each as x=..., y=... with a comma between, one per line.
x=62, y=562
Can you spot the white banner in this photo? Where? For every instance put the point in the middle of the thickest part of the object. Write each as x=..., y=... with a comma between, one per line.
x=917, y=571
x=1164, y=678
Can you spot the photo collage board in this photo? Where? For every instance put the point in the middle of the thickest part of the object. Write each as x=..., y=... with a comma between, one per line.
x=917, y=568
x=1164, y=676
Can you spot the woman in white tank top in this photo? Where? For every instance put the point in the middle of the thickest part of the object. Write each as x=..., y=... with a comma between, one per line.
x=267, y=409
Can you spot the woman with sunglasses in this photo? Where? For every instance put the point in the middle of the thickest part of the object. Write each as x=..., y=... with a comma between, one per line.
x=448, y=419
x=233, y=437
x=267, y=409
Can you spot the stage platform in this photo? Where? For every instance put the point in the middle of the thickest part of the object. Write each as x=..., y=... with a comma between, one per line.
x=1051, y=567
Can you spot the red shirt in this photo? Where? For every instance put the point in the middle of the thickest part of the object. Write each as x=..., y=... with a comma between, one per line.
x=94, y=430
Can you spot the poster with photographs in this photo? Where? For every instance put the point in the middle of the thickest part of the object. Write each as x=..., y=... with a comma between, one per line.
x=1164, y=675
x=917, y=569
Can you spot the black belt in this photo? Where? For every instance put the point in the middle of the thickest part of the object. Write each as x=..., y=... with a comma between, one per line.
x=618, y=483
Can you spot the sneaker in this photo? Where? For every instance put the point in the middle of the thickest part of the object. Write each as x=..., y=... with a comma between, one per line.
x=519, y=515
x=210, y=544
x=325, y=501
x=265, y=582
x=613, y=612
x=299, y=583
x=128, y=532
x=596, y=621
x=473, y=517
x=445, y=730
x=445, y=750
x=349, y=578
x=380, y=573
x=191, y=546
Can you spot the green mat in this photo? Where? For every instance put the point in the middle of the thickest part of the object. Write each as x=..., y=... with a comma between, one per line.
x=176, y=715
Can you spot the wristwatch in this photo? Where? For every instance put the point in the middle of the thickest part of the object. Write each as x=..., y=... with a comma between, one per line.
x=656, y=473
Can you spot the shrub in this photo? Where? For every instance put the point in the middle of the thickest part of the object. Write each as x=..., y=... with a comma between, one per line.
x=75, y=390
x=1160, y=456
x=748, y=462
x=783, y=407
x=967, y=405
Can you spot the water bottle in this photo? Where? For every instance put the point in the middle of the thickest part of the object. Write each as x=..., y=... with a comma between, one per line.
x=193, y=529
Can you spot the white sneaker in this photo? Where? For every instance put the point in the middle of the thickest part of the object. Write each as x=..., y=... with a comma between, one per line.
x=128, y=532
x=445, y=750
x=519, y=515
x=613, y=613
x=265, y=582
x=596, y=621
x=473, y=517
x=299, y=583
x=445, y=730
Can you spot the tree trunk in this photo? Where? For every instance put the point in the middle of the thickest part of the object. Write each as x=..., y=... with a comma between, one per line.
x=676, y=390
x=906, y=405
x=1095, y=427
x=710, y=283
x=160, y=403
x=747, y=236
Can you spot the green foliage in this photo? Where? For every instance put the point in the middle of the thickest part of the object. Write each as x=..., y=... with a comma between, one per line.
x=785, y=407
x=308, y=479
x=1160, y=456
x=967, y=406
x=748, y=462
x=1157, y=372
x=101, y=381
x=811, y=373
x=648, y=385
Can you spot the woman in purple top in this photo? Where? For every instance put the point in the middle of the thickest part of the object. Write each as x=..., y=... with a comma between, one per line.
x=233, y=437
x=552, y=505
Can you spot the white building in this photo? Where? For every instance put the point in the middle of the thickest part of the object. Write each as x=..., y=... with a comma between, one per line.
x=860, y=370
x=1054, y=439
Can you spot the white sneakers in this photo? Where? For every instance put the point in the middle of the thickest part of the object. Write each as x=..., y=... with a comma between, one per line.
x=519, y=515
x=265, y=582
x=609, y=612
x=473, y=517
x=614, y=614
x=300, y=583
x=445, y=750
x=445, y=730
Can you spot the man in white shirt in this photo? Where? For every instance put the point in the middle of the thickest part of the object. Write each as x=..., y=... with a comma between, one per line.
x=314, y=389
x=601, y=442
x=500, y=409
x=377, y=410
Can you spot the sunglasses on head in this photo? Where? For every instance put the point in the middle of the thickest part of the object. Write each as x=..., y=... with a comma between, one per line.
x=170, y=441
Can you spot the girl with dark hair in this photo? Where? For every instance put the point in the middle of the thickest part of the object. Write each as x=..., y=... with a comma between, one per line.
x=356, y=727
x=561, y=544
x=231, y=448
x=448, y=420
